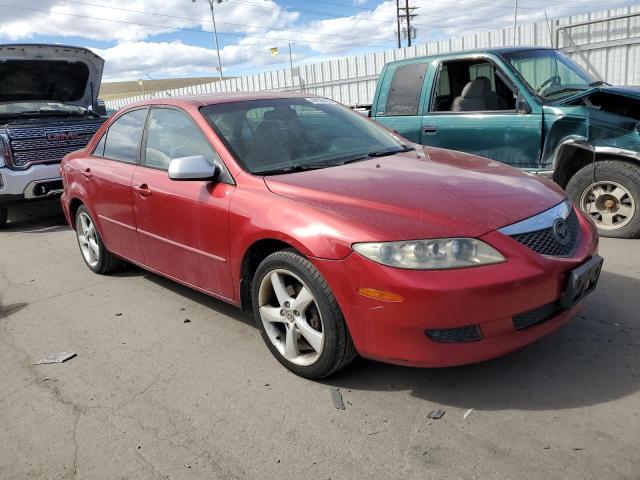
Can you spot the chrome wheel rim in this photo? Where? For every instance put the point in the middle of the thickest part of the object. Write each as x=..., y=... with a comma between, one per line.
x=609, y=204
x=291, y=317
x=88, y=239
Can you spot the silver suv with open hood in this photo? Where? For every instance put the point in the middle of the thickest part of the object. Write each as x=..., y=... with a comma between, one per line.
x=48, y=108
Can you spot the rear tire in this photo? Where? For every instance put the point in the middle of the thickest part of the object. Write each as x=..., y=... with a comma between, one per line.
x=612, y=199
x=299, y=317
x=94, y=253
x=4, y=216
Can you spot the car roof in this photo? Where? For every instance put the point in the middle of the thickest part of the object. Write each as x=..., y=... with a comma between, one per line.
x=217, y=98
x=496, y=50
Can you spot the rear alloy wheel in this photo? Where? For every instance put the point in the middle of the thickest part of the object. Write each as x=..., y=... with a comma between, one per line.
x=299, y=317
x=94, y=253
x=611, y=199
x=4, y=216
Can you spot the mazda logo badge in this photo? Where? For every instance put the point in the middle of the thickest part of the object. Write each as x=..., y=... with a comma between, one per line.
x=561, y=231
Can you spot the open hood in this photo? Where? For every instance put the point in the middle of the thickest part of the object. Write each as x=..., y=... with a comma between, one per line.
x=53, y=73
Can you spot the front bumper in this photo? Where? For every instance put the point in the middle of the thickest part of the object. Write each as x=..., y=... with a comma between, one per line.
x=36, y=182
x=488, y=297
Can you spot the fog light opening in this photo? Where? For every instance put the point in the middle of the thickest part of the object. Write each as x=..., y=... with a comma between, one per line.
x=380, y=295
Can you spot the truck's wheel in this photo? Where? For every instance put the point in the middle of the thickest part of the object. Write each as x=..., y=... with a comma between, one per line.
x=611, y=198
x=4, y=216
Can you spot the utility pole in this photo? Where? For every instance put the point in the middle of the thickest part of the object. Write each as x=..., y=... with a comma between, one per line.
x=398, y=20
x=291, y=65
x=215, y=33
x=515, y=23
x=407, y=15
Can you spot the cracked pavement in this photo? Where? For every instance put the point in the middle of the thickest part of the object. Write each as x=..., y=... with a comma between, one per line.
x=152, y=397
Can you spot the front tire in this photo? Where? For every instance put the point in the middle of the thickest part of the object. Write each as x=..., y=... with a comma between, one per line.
x=95, y=254
x=299, y=317
x=611, y=198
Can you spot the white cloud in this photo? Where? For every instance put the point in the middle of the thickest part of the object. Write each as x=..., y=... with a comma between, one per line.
x=119, y=20
x=264, y=21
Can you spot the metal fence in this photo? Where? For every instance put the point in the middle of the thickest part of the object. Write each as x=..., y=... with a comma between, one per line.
x=607, y=42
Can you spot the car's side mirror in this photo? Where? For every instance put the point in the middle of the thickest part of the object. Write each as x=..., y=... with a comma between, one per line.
x=522, y=106
x=195, y=167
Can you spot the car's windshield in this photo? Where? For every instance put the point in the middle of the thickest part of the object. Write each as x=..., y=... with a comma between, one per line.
x=550, y=73
x=271, y=136
x=37, y=107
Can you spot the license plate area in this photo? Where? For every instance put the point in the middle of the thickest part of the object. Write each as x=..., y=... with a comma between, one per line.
x=582, y=281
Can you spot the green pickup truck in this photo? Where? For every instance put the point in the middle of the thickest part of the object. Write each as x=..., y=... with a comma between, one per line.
x=533, y=108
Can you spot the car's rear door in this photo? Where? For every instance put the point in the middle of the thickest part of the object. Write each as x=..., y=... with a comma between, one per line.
x=182, y=225
x=107, y=182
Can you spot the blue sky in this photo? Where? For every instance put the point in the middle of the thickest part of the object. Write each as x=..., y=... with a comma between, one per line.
x=171, y=38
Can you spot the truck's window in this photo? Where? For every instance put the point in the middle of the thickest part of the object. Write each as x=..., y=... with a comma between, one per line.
x=123, y=137
x=470, y=86
x=171, y=134
x=404, y=93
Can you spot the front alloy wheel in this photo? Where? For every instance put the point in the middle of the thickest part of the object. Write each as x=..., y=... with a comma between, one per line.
x=291, y=317
x=299, y=317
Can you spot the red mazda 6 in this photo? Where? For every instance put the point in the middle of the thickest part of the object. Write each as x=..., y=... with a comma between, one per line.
x=339, y=235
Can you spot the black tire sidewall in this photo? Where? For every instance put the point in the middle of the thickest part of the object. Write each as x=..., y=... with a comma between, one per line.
x=623, y=173
x=332, y=320
x=4, y=216
x=102, y=251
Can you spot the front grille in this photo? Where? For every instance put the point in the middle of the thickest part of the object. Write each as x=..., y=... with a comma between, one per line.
x=470, y=333
x=537, y=315
x=38, y=144
x=42, y=156
x=545, y=242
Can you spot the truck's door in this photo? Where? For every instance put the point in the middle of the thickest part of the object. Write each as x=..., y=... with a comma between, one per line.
x=397, y=102
x=473, y=110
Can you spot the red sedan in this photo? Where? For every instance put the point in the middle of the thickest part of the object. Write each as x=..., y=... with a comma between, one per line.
x=339, y=235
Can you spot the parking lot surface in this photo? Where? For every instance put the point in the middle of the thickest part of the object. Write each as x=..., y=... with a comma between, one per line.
x=169, y=383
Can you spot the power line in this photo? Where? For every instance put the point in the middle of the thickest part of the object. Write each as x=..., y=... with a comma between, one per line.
x=167, y=27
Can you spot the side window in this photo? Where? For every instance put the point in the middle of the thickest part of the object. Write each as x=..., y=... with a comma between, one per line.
x=123, y=138
x=471, y=86
x=172, y=134
x=404, y=92
x=99, y=150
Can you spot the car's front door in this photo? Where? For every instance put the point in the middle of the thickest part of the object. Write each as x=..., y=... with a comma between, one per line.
x=473, y=110
x=107, y=180
x=182, y=225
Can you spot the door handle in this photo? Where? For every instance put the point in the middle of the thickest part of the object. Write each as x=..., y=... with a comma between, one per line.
x=142, y=190
x=87, y=173
x=429, y=129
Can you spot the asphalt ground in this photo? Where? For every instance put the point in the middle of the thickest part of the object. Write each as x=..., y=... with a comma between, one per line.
x=150, y=395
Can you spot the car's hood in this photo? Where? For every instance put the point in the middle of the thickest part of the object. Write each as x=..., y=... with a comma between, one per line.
x=629, y=92
x=54, y=73
x=443, y=194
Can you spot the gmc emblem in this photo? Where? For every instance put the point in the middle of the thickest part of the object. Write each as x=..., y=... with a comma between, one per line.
x=63, y=136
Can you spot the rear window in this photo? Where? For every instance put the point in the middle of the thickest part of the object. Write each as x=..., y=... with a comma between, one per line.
x=25, y=80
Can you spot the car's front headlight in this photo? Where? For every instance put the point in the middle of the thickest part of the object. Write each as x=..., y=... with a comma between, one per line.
x=436, y=254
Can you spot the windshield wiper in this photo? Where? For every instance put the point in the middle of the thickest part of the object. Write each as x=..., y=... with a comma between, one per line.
x=377, y=154
x=293, y=169
x=597, y=83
